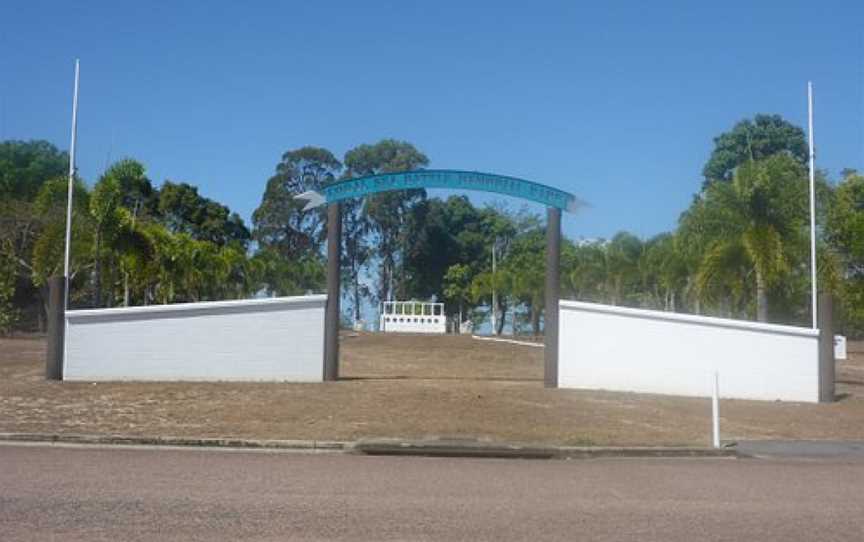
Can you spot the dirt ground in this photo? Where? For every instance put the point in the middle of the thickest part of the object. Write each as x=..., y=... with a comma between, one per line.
x=412, y=387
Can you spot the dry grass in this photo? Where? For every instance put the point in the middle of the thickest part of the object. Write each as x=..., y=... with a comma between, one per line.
x=407, y=386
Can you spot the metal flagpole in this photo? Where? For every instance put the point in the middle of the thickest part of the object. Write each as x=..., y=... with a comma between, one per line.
x=71, y=183
x=813, y=288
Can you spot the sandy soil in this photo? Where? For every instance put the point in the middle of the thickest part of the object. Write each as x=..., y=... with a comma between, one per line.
x=408, y=386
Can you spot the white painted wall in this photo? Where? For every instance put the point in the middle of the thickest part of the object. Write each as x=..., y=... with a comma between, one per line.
x=623, y=349
x=277, y=339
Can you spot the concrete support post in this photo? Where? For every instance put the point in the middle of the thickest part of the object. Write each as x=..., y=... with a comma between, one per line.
x=331, y=317
x=56, y=328
x=825, y=313
x=553, y=278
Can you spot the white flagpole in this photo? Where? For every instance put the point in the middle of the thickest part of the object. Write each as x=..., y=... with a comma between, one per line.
x=71, y=183
x=813, y=288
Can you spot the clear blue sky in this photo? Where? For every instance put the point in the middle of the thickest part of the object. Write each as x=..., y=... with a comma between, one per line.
x=614, y=101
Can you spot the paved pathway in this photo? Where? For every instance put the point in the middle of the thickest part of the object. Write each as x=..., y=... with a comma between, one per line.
x=74, y=493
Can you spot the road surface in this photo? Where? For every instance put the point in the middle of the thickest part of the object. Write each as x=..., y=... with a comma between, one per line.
x=77, y=493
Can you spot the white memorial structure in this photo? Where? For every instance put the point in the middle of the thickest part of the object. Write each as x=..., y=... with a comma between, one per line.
x=412, y=317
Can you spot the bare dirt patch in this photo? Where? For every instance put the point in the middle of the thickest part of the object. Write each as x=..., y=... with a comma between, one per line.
x=413, y=387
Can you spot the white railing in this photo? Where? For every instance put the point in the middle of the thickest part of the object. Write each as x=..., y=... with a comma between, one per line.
x=412, y=317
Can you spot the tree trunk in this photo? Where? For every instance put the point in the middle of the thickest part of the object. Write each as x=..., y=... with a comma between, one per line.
x=500, y=322
x=356, y=293
x=535, y=320
x=761, y=298
x=109, y=300
x=125, y=289
x=97, y=273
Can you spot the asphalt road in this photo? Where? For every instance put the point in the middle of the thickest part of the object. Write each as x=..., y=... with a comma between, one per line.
x=53, y=493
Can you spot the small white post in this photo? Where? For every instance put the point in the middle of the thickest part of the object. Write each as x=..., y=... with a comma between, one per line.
x=715, y=410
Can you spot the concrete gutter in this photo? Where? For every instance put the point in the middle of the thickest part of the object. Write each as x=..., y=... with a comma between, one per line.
x=806, y=449
x=380, y=447
x=473, y=448
x=235, y=443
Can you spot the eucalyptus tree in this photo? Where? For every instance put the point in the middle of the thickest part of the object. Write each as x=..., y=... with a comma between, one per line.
x=280, y=223
x=388, y=212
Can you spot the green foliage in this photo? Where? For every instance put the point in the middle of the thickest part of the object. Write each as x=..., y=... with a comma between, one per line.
x=525, y=273
x=764, y=136
x=281, y=276
x=753, y=227
x=846, y=221
x=664, y=272
x=845, y=261
x=388, y=213
x=26, y=165
x=183, y=210
x=442, y=234
x=457, y=289
x=9, y=313
x=739, y=250
x=46, y=252
x=280, y=223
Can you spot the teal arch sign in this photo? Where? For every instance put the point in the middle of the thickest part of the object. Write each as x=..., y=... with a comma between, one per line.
x=443, y=178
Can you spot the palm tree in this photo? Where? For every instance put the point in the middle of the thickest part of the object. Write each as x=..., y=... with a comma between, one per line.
x=753, y=224
x=584, y=270
x=622, y=267
x=664, y=272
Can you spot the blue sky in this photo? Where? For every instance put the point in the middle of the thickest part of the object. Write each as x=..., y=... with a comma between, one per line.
x=616, y=102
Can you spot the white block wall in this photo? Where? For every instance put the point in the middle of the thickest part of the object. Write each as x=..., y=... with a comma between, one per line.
x=277, y=339
x=623, y=349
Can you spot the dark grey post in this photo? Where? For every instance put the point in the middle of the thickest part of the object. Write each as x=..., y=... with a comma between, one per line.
x=331, y=316
x=825, y=316
x=553, y=278
x=56, y=325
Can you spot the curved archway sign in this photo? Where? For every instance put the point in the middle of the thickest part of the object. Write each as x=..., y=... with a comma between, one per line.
x=443, y=178
x=556, y=201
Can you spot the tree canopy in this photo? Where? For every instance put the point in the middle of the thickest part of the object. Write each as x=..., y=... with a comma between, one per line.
x=740, y=249
x=26, y=165
x=764, y=136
